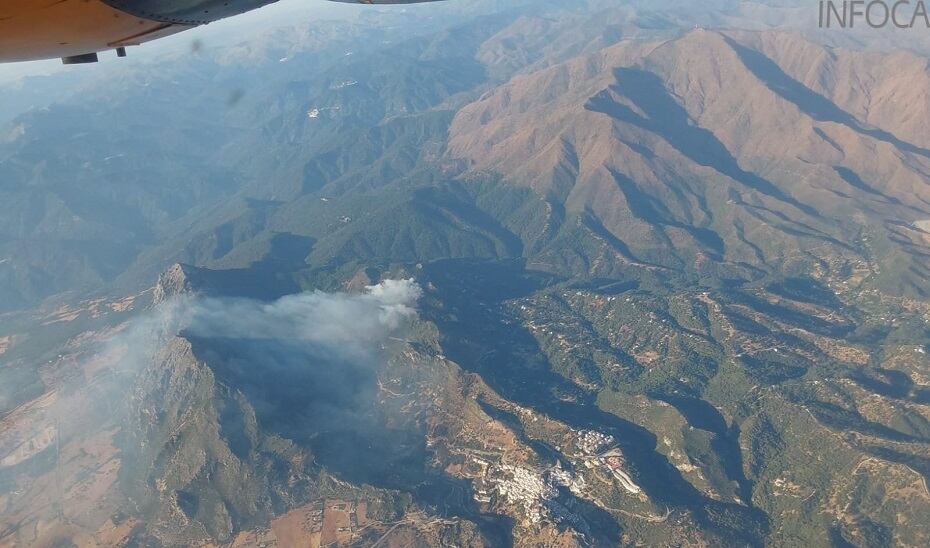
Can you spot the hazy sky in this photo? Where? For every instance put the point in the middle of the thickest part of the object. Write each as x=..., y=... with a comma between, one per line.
x=235, y=29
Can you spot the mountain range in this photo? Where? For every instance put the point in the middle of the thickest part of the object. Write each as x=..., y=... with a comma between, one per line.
x=528, y=274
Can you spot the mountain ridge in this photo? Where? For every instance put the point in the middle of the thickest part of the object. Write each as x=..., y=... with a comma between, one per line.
x=628, y=155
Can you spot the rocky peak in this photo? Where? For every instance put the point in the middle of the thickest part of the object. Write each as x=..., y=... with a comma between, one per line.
x=173, y=282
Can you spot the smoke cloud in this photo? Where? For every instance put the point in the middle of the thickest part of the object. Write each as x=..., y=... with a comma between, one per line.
x=307, y=364
x=335, y=320
x=314, y=355
x=344, y=326
x=324, y=347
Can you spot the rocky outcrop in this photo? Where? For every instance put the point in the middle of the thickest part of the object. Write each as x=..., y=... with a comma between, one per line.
x=173, y=282
x=195, y=457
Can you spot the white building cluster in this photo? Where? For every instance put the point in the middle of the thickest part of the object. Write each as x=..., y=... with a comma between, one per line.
x=592, y=442
x=524, y=487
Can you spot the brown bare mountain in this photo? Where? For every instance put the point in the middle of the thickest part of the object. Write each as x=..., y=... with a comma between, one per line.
x=737, y=152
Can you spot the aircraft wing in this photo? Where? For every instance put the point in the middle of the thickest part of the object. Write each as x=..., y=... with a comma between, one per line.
x=75, y=30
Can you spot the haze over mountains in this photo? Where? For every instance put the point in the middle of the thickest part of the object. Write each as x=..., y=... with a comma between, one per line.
x=662, y=274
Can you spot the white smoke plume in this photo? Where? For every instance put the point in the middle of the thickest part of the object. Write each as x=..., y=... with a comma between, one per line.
x=306, y=330
x=344, y=324
x=319, y=353
x=326, y=319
